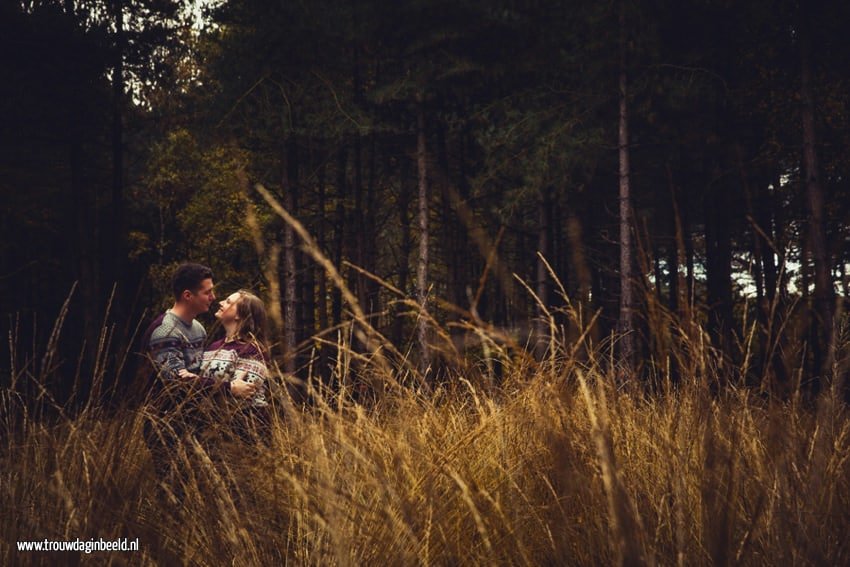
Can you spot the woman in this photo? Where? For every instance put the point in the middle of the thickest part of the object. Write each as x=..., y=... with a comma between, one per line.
x=242, y=355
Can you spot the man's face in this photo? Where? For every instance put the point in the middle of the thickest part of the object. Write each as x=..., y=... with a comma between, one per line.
x=201, y=300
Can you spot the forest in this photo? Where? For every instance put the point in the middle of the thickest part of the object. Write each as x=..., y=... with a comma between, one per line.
x=509, y=238
x=664, y=150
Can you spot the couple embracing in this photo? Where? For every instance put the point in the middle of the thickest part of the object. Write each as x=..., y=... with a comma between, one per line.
x=198, y=385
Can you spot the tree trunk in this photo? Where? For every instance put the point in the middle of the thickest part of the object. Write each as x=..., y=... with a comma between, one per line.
x=805, y=268
x=764, y=217
x=290, y=301
x=83, y=261
x=363, y=213
x=321, y=237
x=357, y=278
x=465, y=267
x=656, y=265
x=583, y=278
x=690, y=274
x=422, y=264
x=626, y=321
x=449, y=223
x=675, y=258
x=404, y=221
x=322, y=287
x=675, y=247
x=116, y=232
x=824, y=292
x=543, y=283
x=718, y=253
x=774, y=289
x=369, y=232
x=758, y=250
x=339, y=231
x=307, y=323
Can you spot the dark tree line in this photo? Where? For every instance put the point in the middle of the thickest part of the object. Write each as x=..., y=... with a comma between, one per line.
x=670, y=161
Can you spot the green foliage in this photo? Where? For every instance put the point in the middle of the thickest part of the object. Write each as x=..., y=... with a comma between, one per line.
x=201, y=204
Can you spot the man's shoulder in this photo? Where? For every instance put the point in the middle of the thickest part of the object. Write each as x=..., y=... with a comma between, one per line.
x=155, y=323
x=198, y=329
x=152, y=329
x=164, y=325
x=168, y=328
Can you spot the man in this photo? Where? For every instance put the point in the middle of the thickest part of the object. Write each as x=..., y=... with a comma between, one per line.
x=175, y=342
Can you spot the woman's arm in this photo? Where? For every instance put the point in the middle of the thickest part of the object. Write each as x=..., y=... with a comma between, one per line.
x=208, y=385
x=252, y=370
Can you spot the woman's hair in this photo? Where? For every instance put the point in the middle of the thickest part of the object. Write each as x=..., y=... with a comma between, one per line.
x=253, y=322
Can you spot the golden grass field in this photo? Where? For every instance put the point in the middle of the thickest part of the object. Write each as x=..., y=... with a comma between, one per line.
x=551, y=465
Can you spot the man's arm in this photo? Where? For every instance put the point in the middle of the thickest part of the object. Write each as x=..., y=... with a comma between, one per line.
x=166, y=352
x=205, y=384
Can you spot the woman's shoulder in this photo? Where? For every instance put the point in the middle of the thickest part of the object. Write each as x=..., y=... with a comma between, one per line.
x=239, y=348
x=230, y=349
x=216, y=345
x=249, y=349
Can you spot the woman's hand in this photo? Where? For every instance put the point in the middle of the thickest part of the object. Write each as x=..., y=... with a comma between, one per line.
x=183, y=373
x=242, y=389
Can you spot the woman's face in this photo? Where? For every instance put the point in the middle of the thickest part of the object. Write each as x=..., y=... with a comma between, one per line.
x=227, y=308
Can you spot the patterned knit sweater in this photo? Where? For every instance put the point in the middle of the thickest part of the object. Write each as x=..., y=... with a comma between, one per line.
x=224, y=361
x=174, y=345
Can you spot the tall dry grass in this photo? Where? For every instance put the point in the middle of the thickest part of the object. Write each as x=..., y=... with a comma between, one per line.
x=556, y=463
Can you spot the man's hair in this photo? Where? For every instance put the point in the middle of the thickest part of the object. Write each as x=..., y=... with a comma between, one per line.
x=189, y=276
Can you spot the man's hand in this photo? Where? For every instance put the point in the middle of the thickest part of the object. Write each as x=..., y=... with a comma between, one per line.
x=242, y=389
x=183, y=373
